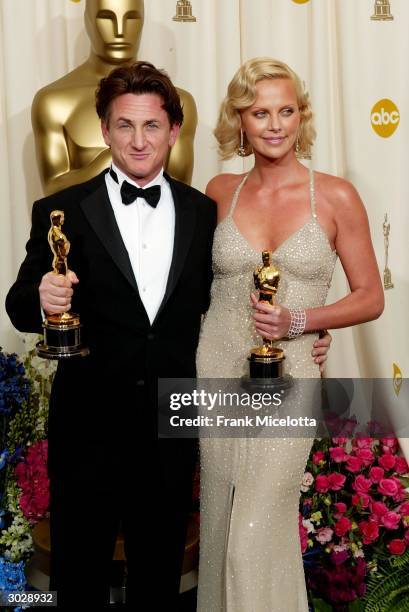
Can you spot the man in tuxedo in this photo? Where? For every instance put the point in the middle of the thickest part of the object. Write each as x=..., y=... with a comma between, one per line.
x=140, y=273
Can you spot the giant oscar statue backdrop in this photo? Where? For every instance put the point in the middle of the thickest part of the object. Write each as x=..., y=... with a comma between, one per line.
x=69, y=144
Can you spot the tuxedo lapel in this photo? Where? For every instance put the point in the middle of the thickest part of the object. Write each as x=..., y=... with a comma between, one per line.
x=185, y=220
x=98, y=210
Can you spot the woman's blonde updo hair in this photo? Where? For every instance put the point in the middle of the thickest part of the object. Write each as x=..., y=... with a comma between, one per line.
x=241, y=94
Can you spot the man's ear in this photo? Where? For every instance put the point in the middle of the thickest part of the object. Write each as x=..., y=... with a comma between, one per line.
x=174, y=133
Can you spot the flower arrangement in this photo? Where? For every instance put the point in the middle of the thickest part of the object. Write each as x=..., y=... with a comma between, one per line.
x=32, y=478
x=354, y=518
x=24, y=392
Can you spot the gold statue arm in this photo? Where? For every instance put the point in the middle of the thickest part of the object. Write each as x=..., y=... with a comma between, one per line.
x=53, y=158
x=180, y=160
x=256, y=278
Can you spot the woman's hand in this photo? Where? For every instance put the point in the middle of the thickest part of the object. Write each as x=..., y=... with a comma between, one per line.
x=320, y=350
x=272, y=322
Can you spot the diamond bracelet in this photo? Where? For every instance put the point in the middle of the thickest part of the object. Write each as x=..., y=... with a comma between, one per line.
x=297, y=325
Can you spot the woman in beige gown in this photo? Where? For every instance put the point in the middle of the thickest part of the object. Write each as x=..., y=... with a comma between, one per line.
x=250, y=556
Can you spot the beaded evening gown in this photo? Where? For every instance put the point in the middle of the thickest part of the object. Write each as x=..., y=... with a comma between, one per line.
x=250, y=555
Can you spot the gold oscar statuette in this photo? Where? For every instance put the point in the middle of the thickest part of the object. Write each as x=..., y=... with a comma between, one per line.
x=62, y=332
x=382, y=11
x=387, y=274
x=184, y=11
x=266, y=361
x=397, y=378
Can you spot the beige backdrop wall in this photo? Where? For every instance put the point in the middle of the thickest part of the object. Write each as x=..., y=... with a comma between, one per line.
x=348, y=61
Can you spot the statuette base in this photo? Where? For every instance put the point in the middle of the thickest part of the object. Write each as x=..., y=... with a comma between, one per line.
x=62, y=338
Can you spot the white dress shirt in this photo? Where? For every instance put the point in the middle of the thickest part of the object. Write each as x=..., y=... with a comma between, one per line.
x=148, y=234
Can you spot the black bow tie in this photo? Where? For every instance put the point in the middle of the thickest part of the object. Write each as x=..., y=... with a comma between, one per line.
x=129, y=192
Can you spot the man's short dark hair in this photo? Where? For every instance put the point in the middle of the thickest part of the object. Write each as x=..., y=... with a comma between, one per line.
x=138, y=78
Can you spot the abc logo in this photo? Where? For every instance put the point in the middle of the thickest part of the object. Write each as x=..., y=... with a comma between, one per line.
x=385, y=118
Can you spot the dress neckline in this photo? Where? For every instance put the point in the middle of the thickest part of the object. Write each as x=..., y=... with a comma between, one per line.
x=284, y=243
x=312, y=219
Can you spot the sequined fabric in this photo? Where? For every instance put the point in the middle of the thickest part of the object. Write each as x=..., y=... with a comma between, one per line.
x=250, y=556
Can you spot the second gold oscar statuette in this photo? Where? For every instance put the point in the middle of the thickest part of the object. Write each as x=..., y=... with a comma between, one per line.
x=266, y=361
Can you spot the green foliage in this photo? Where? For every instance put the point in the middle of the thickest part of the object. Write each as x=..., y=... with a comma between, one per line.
x=319, y=605
x=388, y=587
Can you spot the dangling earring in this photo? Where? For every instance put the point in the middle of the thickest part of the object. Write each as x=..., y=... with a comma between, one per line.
x=297, y=147
x=241, y=150
x=306, y=154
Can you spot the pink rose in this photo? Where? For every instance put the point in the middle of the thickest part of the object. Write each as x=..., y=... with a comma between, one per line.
x=324, y=535
x=341, y=507
x=379, y=508
x=397, y=547
x=338, y=454
x=374, y=518
x=376, y=474
x=321, y=483
x=406, y=536
x=339, y=441
x=401, y=465
x=363, y=499
x=400, y=496
x=336, y=481
x=366, y=455
x=370, y=531
x=361, y=484
x=362, y=442
x=317, y=457
x=404, y=509
x=388, y=487
x=354, y=464
x=389, y=444
x=342, y=526
x=387, y=461
x=391, y=520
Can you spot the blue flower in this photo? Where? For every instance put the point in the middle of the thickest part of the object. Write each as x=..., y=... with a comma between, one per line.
x=14, y=386
x=311, y=558
x=3, y=458
x=12, y=577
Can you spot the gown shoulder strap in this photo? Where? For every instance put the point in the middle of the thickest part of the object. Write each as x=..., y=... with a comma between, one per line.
x=236, y=195
x=312, y=194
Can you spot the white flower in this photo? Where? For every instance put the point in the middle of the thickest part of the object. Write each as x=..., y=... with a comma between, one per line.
x=340, y=547
x=307, y=481
x=308, y=525
x=44, y=367
x=30, y=341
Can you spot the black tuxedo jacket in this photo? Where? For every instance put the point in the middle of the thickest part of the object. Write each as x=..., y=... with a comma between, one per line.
x=110, y=395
